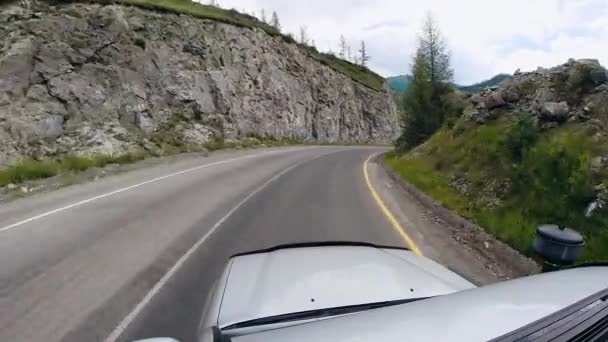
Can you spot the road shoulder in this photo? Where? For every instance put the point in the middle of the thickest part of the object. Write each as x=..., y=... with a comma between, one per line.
x=445, y=237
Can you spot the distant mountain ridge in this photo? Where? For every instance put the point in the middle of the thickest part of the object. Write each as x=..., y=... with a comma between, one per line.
x=481, y=86
x=400, y=83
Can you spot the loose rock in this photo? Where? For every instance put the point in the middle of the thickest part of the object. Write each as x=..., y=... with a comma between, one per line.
x=555, y=111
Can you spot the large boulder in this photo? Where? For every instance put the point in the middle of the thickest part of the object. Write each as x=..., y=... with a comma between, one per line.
x=494, y=100
x=510, y=96
x=477, y=99
x=555, y=111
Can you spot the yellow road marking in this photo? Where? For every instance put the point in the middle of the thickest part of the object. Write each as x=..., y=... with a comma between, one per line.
x=391, y=218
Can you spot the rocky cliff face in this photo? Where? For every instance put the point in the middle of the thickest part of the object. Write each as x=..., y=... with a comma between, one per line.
x=87, y=78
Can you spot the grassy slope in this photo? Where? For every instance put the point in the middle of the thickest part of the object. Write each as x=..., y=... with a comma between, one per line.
x=357, y=73
x=549, y=182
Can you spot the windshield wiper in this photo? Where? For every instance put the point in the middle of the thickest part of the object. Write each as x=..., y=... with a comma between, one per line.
x=319, y=313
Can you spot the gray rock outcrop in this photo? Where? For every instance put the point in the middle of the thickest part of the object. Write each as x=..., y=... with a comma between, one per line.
x=574, y=91
x=86, y=78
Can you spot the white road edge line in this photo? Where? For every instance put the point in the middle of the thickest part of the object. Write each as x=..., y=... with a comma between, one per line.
x=108, y=194
x=124, y=324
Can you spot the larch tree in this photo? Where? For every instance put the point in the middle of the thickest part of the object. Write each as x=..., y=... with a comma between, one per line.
x=303, y=35
x=342, y=47
x=274, y=21
x=429, y=100
x=263, y=16
x=363, y=56
x=434, y=52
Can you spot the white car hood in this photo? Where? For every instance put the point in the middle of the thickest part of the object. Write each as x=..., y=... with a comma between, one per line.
x=479, y=314
x=301, y=279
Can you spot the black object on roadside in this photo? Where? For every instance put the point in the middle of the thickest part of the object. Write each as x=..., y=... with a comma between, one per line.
x=558, y=246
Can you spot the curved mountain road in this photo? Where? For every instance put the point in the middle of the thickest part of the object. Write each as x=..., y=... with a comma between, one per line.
x=97, y=261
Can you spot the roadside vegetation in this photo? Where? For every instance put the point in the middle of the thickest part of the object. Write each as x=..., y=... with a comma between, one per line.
x=508, y=173
x=430, y=100
x=32, y=169
x=358, y=72
x=29, y=169
x=509, y=178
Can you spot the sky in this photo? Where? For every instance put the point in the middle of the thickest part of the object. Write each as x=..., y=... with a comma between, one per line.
x=485, y=37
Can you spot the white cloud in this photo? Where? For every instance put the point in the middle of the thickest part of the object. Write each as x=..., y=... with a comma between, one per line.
x=485, y=37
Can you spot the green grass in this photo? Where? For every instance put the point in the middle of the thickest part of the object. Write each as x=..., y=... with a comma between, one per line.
x=357, y=73
x=29, y=169
x=549, y=176
x=194, y=9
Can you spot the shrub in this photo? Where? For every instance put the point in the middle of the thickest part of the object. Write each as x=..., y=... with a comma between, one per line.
x=520, y=139
x=288, y=38
x=216, y=144
x=28, y=169
x=76, y=163
x=554, y=179
x=127, y=158
x=140, y=42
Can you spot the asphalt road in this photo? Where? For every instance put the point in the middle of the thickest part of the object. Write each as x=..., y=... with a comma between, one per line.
x=77, y=262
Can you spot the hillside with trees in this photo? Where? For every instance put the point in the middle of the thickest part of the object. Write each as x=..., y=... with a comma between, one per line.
x=532, y=151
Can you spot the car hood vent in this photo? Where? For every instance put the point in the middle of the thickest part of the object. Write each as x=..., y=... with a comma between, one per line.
x=585, y=321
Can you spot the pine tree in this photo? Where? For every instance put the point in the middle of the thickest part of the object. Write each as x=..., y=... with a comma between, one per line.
x=363, y=56
x=274, y=21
